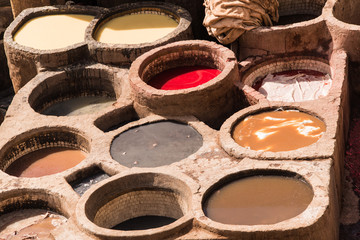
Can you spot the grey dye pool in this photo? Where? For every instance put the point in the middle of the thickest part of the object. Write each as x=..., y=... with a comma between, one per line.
x=155, y=144
x=79, y=106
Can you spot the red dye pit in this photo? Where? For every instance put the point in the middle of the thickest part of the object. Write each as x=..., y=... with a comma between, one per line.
x=183, y=77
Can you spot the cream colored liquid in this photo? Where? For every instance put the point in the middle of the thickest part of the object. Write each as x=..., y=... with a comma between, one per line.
x=135, y=29
x=53, y=31
x=278, y=131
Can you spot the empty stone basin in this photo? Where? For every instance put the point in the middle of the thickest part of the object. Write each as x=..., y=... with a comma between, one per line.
x=293, y=79
x=258, y=199
x=277, y=131
x=294, y=11
x=154, y=204
x=155, y=144
x=131, y=29
x=78, y=92
x=43, y=152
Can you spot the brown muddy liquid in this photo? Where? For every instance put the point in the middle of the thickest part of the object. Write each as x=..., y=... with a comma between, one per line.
x=258, y=200
x=45, y=162
x=278, y=131
x=39, y=230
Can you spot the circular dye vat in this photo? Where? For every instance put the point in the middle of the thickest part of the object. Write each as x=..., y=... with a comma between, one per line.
x=45, y=161
x=294, y=85
x=79, y=106
x=258, y=200
x=30, y=224
x=183, y=77
x=136, y=28
x=278, y=131
x=53, y=31
x=144, y=222
x=155, y=144
x=134, y=204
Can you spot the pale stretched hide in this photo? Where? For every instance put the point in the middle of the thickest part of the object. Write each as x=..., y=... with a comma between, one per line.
x=228, y=19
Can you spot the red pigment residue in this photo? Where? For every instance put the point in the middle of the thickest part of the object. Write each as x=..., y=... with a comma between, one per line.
x=257, y=84
x=183, y=77
x=352, y=157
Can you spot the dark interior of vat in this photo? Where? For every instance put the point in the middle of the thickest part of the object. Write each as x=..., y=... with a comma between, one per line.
x=29, y=199
x=67, y=90
x=85, y=179
x=45, y=139
x=257, y=197
x=155, y=144
x=144, y=223
x=116, y=119
x=347, y=11
x=294, y=11
x=27, y=204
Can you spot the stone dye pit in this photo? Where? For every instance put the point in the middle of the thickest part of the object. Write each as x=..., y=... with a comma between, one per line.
x=258, y=200
x=44, y=162
x=183, y=77
x=21, y=58
x=53, y=31
x=155, y=144
x=110, y=47
x=278, y=131
x=154, y=156
x=295, y=85
x=135, y=28
x=210, y=102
